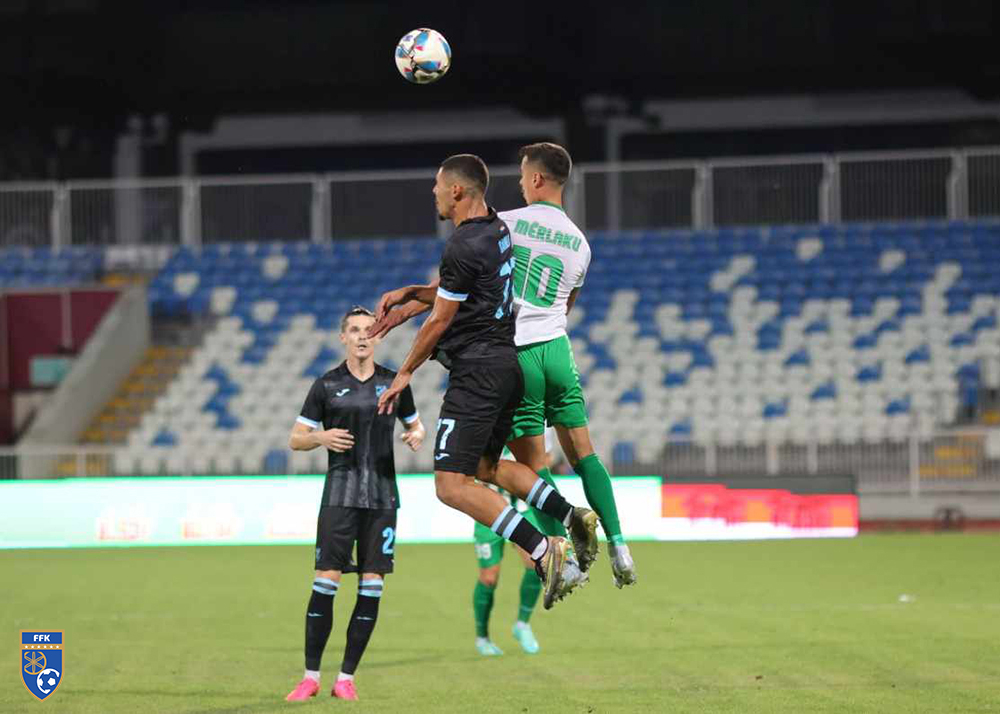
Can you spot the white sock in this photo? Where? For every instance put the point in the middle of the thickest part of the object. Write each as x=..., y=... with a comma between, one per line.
x=520, y=624
x=540, y=549
x=312, y=674
x=342, y=677
x=482, y=640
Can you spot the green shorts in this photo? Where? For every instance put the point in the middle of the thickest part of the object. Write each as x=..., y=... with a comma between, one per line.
x=489, y=546
x=552, y=392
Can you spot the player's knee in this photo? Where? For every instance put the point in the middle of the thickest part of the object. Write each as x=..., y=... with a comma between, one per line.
x=487, y=470
x=579, y=442
x=528, y=452
x=538, y=464
x=489, y=576
x=371, y=585
x=447, y=487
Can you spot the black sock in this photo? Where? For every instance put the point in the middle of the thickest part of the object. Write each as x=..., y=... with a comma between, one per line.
x=548, y=500
x=514, y=527
x=362, y=624
x=319, y=620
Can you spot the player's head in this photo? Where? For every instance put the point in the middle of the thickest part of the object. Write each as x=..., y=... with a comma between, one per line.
x=462, y=177
x=545, y=169
x=354, y=332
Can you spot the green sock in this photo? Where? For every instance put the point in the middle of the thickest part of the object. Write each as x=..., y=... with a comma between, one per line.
x=531, y=588
x=482, y=605
x=600, y=496
x=547, y=524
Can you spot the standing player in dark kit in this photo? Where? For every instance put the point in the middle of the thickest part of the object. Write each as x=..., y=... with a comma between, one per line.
x=360, y=497
x=470, y=330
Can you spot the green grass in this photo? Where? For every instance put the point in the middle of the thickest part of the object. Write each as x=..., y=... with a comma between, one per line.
x=807, y=626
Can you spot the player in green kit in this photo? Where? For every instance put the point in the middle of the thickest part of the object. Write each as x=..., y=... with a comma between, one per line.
x=489, y=553
x=552, y=257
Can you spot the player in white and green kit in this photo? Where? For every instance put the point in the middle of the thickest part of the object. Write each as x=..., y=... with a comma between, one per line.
x=552, y=257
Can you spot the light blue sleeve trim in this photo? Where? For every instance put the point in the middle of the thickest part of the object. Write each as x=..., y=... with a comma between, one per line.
x=309, y=422
x=412, y=418
x=457, y=297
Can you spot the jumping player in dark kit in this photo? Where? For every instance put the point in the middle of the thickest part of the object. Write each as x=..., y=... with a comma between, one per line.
x=360, y=496
x=470, y=331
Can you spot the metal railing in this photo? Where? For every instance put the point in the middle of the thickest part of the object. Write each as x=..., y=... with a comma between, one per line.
x=916, y=185
x=959, y=461
x=948, y=462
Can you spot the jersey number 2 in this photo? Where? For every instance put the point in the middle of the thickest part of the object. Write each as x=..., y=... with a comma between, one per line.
x=390, y=535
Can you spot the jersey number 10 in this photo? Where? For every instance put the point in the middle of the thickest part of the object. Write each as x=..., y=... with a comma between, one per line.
x=528, y=277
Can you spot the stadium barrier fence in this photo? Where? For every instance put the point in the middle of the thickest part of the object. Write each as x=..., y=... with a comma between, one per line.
x=953, y=184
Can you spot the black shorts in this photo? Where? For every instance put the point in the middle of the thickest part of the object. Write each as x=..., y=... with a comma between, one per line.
x=478, y=413
x=340, y=527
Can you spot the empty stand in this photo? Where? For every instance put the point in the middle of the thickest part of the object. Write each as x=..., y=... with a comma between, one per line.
x=842, y=336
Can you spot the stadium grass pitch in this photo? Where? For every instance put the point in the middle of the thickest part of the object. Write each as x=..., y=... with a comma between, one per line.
x=880, y=623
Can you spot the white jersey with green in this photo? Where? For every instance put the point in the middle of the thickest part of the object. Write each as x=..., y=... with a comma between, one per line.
x=552, y=256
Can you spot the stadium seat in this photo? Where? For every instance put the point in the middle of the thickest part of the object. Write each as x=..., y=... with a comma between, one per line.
x=796, y=334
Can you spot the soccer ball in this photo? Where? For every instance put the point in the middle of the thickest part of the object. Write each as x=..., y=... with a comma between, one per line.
x=423, y=56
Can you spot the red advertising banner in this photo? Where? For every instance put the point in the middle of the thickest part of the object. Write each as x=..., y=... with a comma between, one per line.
x=715, y=511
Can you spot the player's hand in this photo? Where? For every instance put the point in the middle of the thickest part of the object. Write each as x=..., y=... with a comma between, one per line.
x=339, y=440
x=414, y=437
x=380, y=328
x=388, y=301
x=387, y=402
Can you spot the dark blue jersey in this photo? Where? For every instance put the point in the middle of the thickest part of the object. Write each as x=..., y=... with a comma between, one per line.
x=364, y=476
x=477, y=267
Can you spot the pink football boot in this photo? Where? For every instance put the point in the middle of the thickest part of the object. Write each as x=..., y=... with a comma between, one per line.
x=308, y=687
x=344, y=689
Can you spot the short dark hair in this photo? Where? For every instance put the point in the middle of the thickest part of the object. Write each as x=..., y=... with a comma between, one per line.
x=470, y=168
x=353, y=312
x=553, y=159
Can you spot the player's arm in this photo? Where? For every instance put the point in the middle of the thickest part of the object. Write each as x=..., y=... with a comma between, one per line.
x=396, y=317
x=308, y=431
x=575, y=292
x=413, y=435
x=414, y=432
x=305, y=438
x=571, y=300
x=442, y=314
x=420, y=293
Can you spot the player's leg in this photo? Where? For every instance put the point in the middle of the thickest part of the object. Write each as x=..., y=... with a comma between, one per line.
x=475, y=422
x=576, y=444
x=579, y=451
x=531, y=589
x=476, y=419
x=526, y=450
x=488, y=507
x=542, y=497
x=527, y=441
x=536, y=492
x=334, y=538
x=376, y=537
x=489, y=554
x=566, y=410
